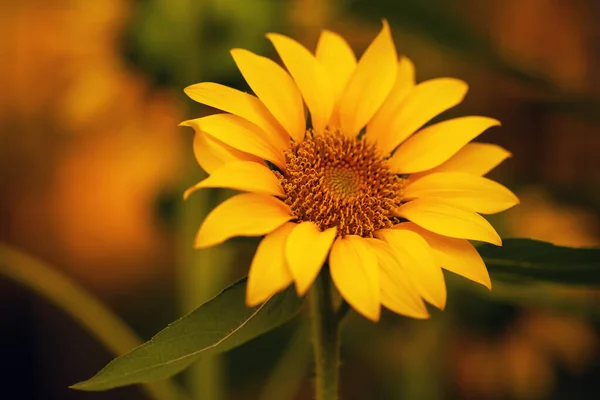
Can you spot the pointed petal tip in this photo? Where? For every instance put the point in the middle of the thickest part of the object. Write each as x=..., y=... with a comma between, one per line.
x=423, y=316
x=517, y=200
x=235, y=52
x=463, y=88
x=272, y=37
x=377, y=315
x=487, y=284
x=495, y=122
x=370, y=83
x=201, y=243
x=301, y=290
x=511, y=202
x=250, y=301
x=408, y=64
x=375, y=319
x=202, y=240
x=440, y=301
x=485, y=120
x=187, y=89
x=372, y=315
x=484, y=281
x=461, y=85
x=492, y=238
x=387, y=31
x=253, y=299
x=442, y=306
x=421, y=313
x=185, y=123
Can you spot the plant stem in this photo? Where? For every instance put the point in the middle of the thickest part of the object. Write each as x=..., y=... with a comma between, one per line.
x=325, y=337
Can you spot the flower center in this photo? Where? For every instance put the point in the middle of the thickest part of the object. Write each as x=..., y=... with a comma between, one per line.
x=333, y=180
x=342, y=181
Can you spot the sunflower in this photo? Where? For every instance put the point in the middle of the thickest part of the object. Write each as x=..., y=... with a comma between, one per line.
x=361, y=186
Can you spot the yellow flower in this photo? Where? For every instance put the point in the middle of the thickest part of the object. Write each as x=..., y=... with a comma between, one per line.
x=387, y=207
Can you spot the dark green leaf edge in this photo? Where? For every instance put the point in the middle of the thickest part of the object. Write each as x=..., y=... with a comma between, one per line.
x=99, y=382
x=520, y=260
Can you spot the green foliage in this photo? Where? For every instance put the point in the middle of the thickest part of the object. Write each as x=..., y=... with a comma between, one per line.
x=216, y=326
x=225, y=322
x=520, y=260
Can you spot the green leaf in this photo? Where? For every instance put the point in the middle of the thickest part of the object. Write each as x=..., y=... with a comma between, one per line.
x=216, y=326
x=527, y=259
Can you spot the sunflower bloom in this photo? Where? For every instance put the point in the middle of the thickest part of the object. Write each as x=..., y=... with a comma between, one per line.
x=363, y=185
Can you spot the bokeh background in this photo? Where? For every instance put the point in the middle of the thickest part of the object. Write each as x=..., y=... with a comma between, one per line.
x=92, y=168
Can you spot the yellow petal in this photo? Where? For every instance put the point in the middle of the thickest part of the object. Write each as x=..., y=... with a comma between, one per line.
x=370, y=83
x=477, y=193
x=212, y=154
x=306, y=250
x=246, y=176
x=416, y=258
x=338, y=60
x=310, y=76
x=449, y=220
x=239, y=134
x=379, y=125
x=247, y=214
x=437, y=143
x=398, y=289
x=275, y=88
x=455, y=255
x=269, y=272
x=355, y=273
x=474, y=158
x=425, y=101
x=241, y=104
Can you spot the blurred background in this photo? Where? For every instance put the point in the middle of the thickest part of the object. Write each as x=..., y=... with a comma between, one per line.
x=93, y=167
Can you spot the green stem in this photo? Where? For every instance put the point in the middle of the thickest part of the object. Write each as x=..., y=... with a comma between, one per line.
x=325, y=337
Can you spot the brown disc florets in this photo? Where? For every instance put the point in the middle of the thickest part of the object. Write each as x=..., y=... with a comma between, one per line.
x=333, y=180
